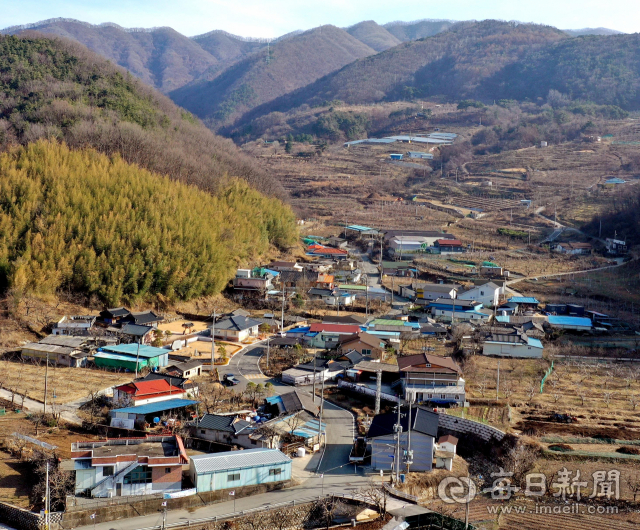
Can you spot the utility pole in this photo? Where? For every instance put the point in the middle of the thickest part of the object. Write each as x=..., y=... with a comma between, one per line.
x=213, y=340
x=314, y=378
x=393, y=287
x=268, y=348
x=283, y=297
x=498, y=382
x=398, y=430
x=378, y=390
x=453, y=309
x=46, y=377
x=138, y=356
x=321, y=412
x=409, y=460
x=46, y=499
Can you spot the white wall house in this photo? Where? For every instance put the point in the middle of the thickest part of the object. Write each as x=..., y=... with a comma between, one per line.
x=488, y=294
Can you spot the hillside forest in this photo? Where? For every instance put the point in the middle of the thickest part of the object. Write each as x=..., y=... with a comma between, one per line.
x=81, y=221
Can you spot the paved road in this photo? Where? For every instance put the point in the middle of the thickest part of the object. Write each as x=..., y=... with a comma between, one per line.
x=338, y=476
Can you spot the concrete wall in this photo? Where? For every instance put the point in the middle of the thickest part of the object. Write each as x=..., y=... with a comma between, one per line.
x=105, y=512
x=383, y=447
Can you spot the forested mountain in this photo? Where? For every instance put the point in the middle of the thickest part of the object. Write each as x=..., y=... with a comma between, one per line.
x=161, y=57
x=92, y=224
x=454, y=64
x=58, y=89
x=268, y=74
x=419, y=29
x=373, y=35
x=603, y=69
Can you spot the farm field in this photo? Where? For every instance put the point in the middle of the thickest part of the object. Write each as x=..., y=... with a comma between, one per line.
x=68, y=384
x=602, y=396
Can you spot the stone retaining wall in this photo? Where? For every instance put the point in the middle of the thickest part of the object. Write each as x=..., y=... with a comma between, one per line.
x=26, y=520
x=465, y=426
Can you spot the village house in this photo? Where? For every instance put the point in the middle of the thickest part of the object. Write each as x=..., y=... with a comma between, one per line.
x=325, y=281
x=237, y=469
x=183, y=383
x=445, y=452
x=616, y=246
x=365, y=344
x=128, y=417
x=423, y=424
x=135, y=333
x=285, y=266
x=327, y=336
x=74, y=325
x=144, y=318
x=114, y=315
x=258, y=280
x=186, y=369
x=430, y=237
x=431, y=379
x=513, y=345
x=357, y=320
x=227, y=429
x=132, y=357
x=446, y=310
x=143, y=392
x=62, y=350
x=327, y=252
x=129, y=466
x=332, y=297
x=574, y=249
x=449, y=246
x=427, y=292
x=398, y=268
x=488, y=294
x=236, y=329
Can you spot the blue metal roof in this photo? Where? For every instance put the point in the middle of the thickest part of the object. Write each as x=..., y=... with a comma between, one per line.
x=231, y=460
x=523, y=300
x=160, y=406
x=359, y=228
x=569, y=321
x=534, y=342
x=503, y=318
x=131, y=350
x=273, y=273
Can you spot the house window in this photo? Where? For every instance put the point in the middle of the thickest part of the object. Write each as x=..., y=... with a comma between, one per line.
x=202, y=431
x=275, y=472
x=366, y=352
x=83, y=464
x=107, y=471
x=254, y=442
x=430, y=396
x=233, y=477
x=140, y=475
x=167, y=470
x=443, y=396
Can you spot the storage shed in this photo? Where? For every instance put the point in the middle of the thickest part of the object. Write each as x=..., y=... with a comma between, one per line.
x=236, y=469
x=125, y=355
x=573, y=323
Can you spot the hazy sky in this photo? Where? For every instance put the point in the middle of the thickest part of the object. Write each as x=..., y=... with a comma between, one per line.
x=271, y=18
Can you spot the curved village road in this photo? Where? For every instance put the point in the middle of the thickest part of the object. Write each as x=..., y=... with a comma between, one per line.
x=339, y=422
x=330, y=474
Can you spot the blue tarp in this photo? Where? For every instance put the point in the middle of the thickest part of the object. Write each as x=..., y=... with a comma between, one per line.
x=523, y=300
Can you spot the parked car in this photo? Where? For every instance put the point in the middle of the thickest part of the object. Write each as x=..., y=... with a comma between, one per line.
x=230, y=379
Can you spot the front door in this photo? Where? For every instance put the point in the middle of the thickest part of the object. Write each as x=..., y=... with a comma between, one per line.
x=118, y=489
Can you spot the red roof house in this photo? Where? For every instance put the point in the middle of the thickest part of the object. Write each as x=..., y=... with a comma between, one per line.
x=152, y=391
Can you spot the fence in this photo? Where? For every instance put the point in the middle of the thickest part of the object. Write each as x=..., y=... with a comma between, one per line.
x=399, y=494
x=546, y=375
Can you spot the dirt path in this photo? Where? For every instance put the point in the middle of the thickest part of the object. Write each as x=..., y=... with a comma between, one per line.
x=543, y=276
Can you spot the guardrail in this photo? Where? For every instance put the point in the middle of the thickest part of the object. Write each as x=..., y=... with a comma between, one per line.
x=232, y=515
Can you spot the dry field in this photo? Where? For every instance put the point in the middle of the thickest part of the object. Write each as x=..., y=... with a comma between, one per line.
x=68, y=384
x=603, y=396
